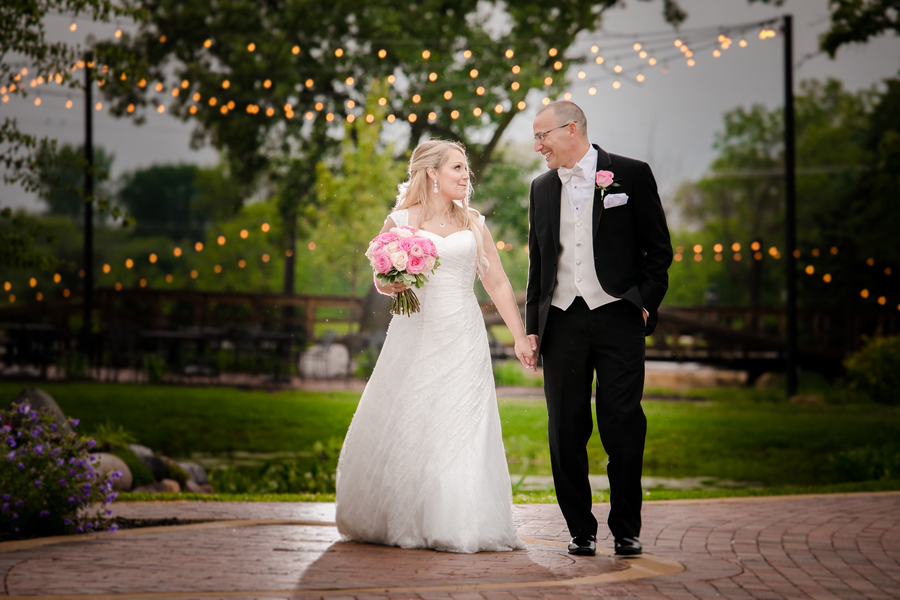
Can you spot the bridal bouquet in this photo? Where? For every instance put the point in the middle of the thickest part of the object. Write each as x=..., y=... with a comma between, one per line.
x=401, y=256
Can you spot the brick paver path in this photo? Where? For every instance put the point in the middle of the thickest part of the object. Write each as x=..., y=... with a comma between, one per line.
x=836, y=546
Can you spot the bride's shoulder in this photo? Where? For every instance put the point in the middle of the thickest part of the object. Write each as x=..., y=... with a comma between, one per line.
x=474, y=214
x=400, y=217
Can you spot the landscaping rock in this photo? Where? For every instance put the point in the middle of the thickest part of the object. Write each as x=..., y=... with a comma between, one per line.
x=170, y=486
x=157, y=466
x=39, y=399
x=195, y=488
x=140, y=451
x=196, y=472
x=108, y=463
x=151, y=488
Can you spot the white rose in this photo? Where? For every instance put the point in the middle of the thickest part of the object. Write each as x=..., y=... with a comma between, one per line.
x=392, y=247
x=404, y=233
x=399, y=259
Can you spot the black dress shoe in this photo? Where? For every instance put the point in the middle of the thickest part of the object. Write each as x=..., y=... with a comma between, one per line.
x=628, y=547
x=583, y=545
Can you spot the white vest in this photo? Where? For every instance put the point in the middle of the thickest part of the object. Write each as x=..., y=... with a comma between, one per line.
x=575, y=274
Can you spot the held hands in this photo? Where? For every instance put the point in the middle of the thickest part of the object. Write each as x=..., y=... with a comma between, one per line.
x=526, y=352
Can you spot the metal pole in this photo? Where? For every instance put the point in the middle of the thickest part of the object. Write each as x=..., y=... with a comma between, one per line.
x=88, y=257
x=790, y=206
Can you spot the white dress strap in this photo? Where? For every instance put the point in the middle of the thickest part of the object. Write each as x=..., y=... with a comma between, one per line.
x=400, y=217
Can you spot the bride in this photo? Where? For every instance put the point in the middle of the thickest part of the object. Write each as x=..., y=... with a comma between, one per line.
x=423, y=464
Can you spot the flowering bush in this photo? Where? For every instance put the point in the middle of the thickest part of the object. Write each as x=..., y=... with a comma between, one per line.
x=48, y=483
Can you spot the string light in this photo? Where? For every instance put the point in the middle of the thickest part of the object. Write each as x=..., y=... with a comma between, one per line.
x=426, y=54
x=265, y=258
x=295, y=50
x=382, y=53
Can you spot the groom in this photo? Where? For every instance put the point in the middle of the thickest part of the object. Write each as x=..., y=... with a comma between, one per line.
x=598, y=250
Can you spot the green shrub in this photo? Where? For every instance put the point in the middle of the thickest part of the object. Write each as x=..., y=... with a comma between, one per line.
x=288, y=477
x=512, y=373
x=48, y=480
x=115, y=439
x=156, y=368
x=875, y=369
x=867, y=464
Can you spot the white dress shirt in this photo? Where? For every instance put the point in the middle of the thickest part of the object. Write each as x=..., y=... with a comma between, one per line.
x=578, y=182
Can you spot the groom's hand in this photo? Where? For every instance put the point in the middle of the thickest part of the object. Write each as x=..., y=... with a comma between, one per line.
x=534, y=343
x=525, y=354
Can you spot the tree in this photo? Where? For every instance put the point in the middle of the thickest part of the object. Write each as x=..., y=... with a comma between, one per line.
x=741, y=199
x=163, y=200
x=267, y=83
x=62, y=178
x=855, y=21
x=354, y=201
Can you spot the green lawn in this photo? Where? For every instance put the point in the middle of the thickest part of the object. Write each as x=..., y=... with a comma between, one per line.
x=733, y=435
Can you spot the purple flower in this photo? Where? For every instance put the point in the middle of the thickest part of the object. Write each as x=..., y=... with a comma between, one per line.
x=33, y=417
x=53, y=427
x=11, y=455
x=116, y=474
x=11, y=441
x=60, y=462
x=72, y=473
x=89, y=526
x=6, y=497
x=109, y=513
x=5, y=429
x=39, y=449
x=45, y=513
x=24, y=409
x=15, y=516
x=75, y=422
x=79, y=529
x=37, y=483
x=67, y=521
x=16, y=530
x=5, y=507
x=71, y=500
x=86, y=487
x=21, y=467
x=62, y=482
x=112, y=496
x=20, y=504
x=91, y=444
x=113, y=528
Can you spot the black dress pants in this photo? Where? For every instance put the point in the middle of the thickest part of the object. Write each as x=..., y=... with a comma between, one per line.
x=608, y=341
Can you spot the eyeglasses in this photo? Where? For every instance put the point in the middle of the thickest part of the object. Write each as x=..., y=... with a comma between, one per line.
x=539, y=137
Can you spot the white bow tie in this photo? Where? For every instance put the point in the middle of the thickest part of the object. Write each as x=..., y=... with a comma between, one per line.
x=566, y=174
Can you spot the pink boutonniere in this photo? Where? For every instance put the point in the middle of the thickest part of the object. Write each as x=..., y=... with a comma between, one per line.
x=604, y=181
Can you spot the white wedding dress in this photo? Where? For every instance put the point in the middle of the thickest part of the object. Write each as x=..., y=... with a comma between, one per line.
x=423, y=464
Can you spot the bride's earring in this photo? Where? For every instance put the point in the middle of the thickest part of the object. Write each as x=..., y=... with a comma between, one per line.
x=435, y=186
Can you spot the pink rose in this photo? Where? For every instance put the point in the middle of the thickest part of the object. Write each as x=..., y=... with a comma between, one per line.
x=383, y=263
x=428, y=247
x=416, y=250
x=386, y=237
x=407, y=243
x=374, y=248
x=604, y=178
x=415, y=264
x=399, y=259
x=429, y=263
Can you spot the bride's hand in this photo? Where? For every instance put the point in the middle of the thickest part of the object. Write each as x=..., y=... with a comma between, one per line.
x=390, y=290
x=526, y=355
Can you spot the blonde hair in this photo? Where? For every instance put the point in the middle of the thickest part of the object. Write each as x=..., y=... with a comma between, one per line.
x=435, y=153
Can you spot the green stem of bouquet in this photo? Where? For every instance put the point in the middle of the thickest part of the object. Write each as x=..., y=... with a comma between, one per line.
x=405, y=302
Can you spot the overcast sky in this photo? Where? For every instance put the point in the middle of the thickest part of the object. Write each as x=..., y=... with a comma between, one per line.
x=669, y=120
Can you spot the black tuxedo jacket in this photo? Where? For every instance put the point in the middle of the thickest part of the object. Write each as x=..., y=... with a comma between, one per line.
x=632, y=250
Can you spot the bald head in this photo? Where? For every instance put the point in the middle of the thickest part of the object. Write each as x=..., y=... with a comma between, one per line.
x=564, y=112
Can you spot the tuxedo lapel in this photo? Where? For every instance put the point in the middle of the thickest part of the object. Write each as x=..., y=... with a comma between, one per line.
x=603, y=163
x=555, y=202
